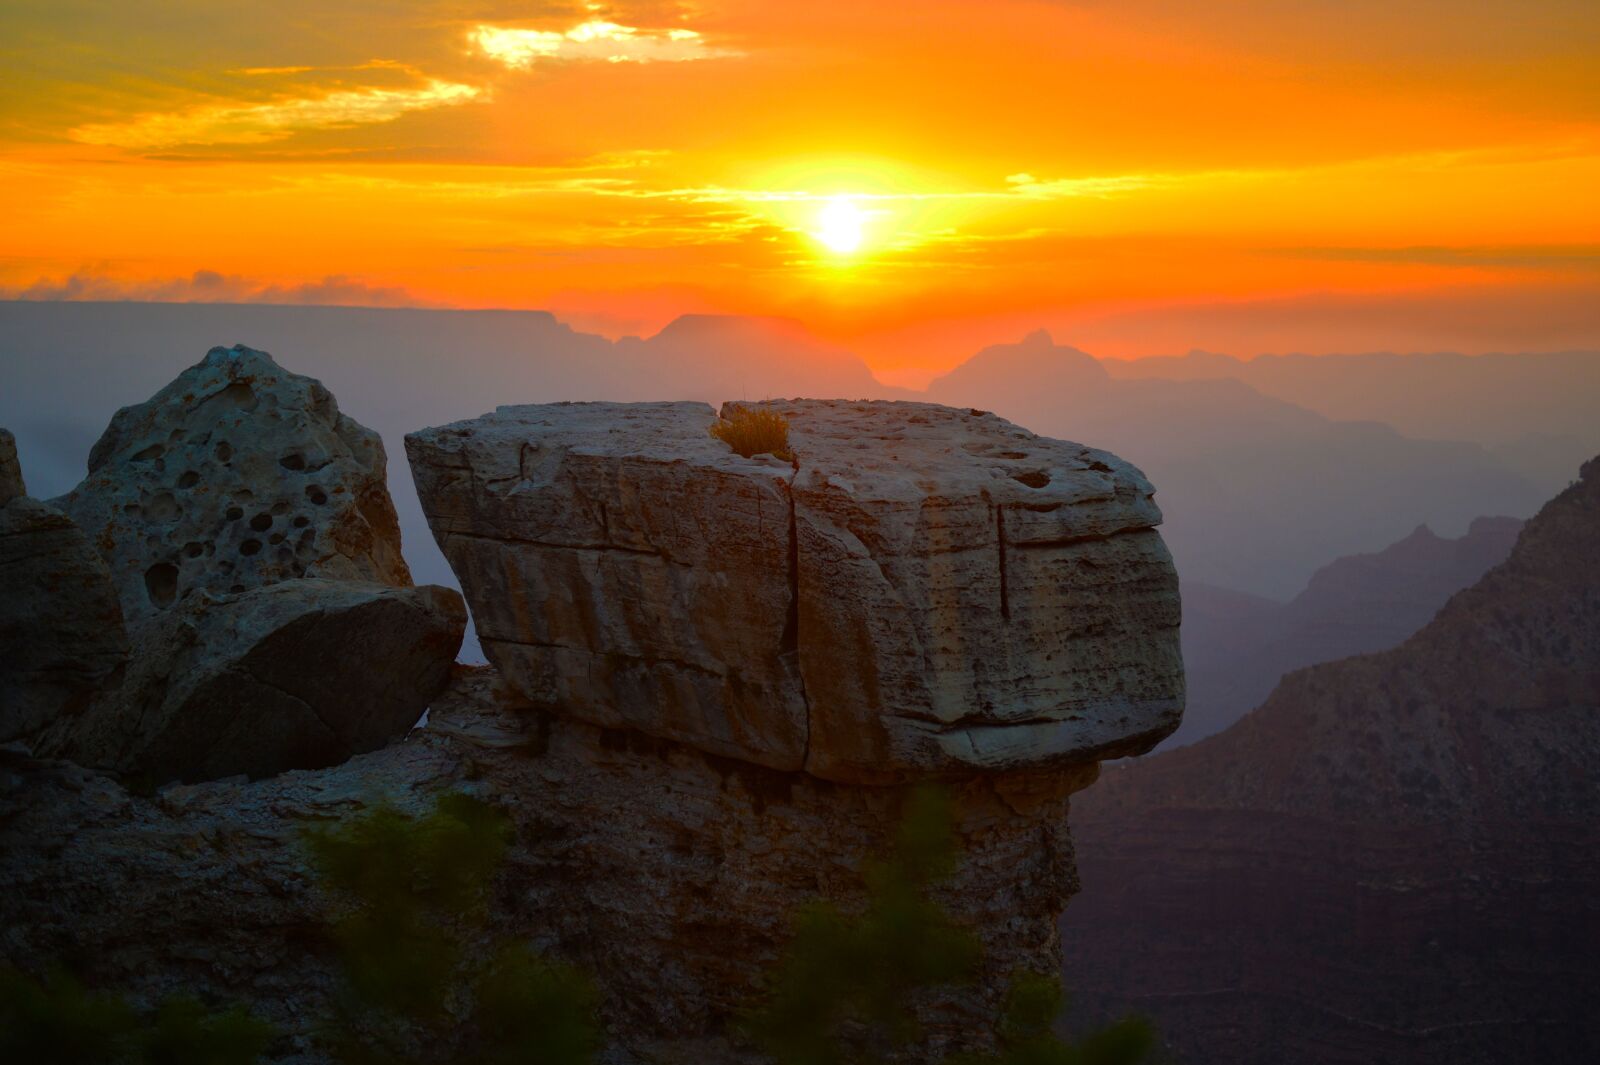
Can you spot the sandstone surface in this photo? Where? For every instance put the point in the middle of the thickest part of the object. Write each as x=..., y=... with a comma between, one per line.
x=924, y=591
x=668, y=874
x=297, y=675
x=236, y=475
x=1395, y=858
x=62, y=642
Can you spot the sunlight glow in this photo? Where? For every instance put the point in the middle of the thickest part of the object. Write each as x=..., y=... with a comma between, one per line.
x=841, y=226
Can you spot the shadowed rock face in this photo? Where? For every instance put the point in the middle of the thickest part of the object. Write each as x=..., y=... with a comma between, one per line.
x=296, y=675
x=11, y=485
x=923, y=591
x=236, y=475
x=62, y=643
x=671, y=876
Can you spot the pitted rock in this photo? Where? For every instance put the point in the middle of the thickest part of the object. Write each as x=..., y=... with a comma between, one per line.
x=236, y=475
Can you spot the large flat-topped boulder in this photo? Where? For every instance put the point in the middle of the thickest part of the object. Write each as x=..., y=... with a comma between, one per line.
x=624, y=565
x=236, y=475
x=972, y=594
x=923, y=591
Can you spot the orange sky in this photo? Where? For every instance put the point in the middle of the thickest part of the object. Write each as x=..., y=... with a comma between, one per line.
x=1140, y=176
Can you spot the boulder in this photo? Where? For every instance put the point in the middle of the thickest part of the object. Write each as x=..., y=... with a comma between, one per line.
x=923, y=591
x=236, y=475
x=62, y=642
x=297, y=675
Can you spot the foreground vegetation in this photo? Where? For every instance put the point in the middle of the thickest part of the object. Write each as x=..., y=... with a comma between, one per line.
x=425, y=982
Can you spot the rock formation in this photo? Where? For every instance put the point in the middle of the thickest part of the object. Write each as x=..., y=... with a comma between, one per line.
x=299, y=674
x=1393, y=859
x=236, y=475
x=668, y=874
x=251, y=540
x=923, y=591
x=62, y=644
x=712, y=666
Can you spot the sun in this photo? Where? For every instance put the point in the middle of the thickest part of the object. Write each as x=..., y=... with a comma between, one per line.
x=841, y=226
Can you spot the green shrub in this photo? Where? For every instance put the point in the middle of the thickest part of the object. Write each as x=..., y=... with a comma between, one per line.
x=752, y=431
x=843, y=988
x=1034, y=1003
x=60, y=1022
x=417, y=890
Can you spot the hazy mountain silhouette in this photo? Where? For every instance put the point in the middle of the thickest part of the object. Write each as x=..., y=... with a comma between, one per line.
x=1236, y=647
x=1393, y=859
x=1535, y=412
x=1257, y=491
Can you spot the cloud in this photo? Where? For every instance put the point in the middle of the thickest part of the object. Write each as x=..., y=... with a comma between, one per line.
x=520, y=49
x=210, y=286
x=1584, y=257
x=257, y=123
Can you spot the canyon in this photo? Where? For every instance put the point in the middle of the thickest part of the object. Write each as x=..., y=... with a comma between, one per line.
x=1392, y=859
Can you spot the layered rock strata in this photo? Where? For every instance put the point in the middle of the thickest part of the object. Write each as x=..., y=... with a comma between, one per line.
x=923, y=591
x=1395, y=858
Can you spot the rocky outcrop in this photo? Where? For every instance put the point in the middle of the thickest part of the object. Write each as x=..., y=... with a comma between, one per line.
x=1393, y=859
x=923, y=591
x=11, y=485
x=62, y=644
x=250, y=536
x=712, y=665
x=296, y=675
x=236, y=475
x=668, y=874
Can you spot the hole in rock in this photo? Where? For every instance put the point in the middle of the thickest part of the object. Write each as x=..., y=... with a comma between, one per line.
x=235, y=513
x=236, y=589
x=249, y=547
x=293, y=461
x=241, y=396
x=189, y=479
x=316, y=494
x=163, y=507
x=261, y=522
x=281, y=507
x=193, y=549
x=161, y=583
x=150, y=454
x=301, y=521
x=1012, y=455
x=275, y=538
x=1033, y=478
x=223, y=451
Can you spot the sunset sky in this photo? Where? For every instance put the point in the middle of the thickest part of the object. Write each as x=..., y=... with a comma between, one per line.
x=910, y=180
